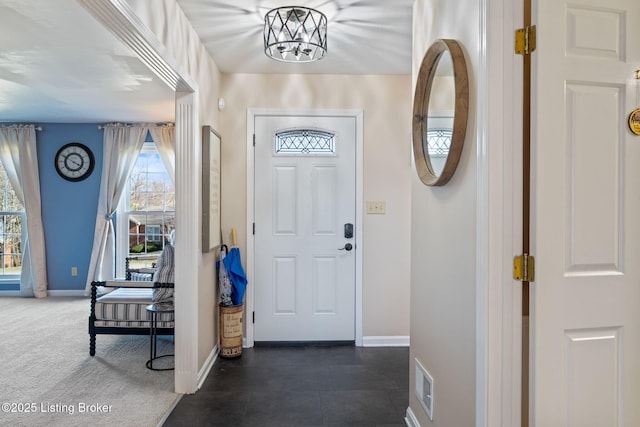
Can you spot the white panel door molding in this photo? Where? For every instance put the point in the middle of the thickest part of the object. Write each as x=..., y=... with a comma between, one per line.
x=585, y=320
x=305, y=193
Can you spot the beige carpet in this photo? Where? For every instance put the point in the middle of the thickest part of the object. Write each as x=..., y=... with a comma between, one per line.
x=45, y=368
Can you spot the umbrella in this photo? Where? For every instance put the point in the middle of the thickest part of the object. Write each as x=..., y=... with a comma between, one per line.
x=223, y=278
x=233, y=264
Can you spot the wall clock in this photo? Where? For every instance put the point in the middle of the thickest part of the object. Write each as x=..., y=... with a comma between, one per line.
x=74, y=161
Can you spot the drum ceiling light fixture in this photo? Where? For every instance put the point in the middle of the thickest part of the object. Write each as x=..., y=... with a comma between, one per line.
x=295, y=34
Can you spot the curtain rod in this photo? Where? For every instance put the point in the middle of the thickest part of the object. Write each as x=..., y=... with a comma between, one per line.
x=128, y=125
x=38, y=128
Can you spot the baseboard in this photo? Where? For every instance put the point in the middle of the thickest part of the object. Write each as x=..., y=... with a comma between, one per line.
x=208, y=364
x=411, y=419
x=10, y=294
x=66, y=293
x=386, y=341
x=373, y=341
x=50, y=293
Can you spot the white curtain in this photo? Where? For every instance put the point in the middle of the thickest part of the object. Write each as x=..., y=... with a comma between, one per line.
x=19, y=157
x=165, y=139
x=122, y=144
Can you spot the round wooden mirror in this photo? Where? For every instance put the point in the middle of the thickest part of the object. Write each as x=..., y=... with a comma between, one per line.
x=440, y=111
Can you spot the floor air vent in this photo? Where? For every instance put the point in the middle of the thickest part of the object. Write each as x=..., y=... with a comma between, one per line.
x=424, y=388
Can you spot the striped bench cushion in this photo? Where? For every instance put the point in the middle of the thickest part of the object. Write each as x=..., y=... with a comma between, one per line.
x=127, y=307
x=131, y=324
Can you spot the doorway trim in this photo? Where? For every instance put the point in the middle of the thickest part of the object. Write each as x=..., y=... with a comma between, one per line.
x=498, y=299
x=118, y=17
x=250, y=244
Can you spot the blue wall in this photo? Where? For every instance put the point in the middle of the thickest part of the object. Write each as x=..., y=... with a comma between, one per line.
x=68, y=208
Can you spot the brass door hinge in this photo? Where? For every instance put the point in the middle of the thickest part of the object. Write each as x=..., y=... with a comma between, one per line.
x=526, y=40
x=524, y=268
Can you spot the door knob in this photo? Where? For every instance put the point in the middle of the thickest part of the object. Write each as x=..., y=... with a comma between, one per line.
x=346, y=247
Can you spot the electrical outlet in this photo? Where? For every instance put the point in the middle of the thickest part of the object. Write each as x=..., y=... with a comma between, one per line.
x=74, y=271
x=376, y=207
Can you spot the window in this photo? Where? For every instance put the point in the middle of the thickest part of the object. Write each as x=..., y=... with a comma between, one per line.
x=154, y=233
x=146, y=214
x=12, y=217
x=305, y=141
x=439, y=142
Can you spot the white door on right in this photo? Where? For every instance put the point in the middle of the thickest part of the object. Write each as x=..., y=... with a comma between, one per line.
x=586, y=215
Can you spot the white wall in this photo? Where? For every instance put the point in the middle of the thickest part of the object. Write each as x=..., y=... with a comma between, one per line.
x=386, y=102
x=167, y=21
x=443, y=246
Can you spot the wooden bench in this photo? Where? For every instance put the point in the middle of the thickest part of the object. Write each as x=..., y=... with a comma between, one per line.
x=118, y=307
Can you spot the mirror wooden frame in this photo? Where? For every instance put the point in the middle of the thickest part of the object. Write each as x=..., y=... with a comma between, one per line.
x=426, y=75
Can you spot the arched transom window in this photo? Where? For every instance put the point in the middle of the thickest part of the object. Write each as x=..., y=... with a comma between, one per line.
x=305, y=141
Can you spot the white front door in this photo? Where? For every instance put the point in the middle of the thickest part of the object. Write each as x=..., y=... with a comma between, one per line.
x=585, y=315
x=305, y=228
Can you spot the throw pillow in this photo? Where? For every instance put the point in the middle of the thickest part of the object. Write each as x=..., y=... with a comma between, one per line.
x=165, y=273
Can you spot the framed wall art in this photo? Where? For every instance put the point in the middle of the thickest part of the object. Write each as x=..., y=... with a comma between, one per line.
x=211, y=189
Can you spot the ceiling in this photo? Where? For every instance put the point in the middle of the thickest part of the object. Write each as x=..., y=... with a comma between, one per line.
x=364, y=36
x=58, y=64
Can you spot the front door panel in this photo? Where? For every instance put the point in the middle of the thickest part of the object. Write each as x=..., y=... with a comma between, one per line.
x=304, y=196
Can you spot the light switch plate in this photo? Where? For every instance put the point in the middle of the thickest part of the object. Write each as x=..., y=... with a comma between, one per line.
x=376, y=207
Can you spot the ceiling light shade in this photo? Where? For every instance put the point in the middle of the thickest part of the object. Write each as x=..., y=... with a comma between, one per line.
x=295, y=34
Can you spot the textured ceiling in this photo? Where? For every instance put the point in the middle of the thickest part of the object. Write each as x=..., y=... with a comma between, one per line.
x=58, y=64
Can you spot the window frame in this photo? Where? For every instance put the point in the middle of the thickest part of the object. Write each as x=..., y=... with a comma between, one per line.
x=13, y=278
x=122, y=221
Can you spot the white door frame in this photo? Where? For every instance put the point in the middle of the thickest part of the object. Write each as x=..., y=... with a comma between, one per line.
x=250, y=244
x=498, y=299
